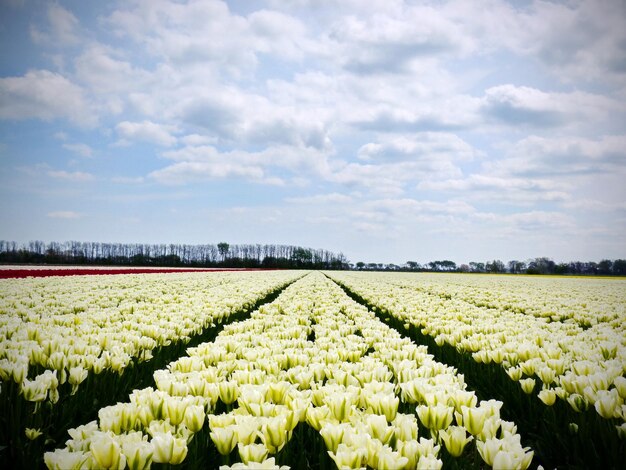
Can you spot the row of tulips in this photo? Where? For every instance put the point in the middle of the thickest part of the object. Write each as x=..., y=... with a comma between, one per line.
x=71, y=345
x=585, y=301
x=312, y=379
x=582, y=368
x=62, y=330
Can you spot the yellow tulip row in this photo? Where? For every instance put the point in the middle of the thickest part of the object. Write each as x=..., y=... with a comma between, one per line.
x=316, y=357
x=583, y=365
x=64, y=328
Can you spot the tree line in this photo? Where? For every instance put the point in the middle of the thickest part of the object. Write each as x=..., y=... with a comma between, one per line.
x=542, y=265
x=228, y=255
x=171, y=255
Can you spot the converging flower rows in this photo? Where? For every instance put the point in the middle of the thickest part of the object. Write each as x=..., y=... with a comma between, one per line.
x=63, y=329
x=71, y=345
x=546, y=338
x=312, y=364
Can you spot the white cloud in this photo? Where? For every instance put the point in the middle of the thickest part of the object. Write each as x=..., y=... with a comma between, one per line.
x=536, y=156
x=147, y=131
x=190, y=171
x=197, y=163
x=83, y=150
x=390, y=41
x=100, y=69
x=517, y=106
x=128, y=180
x=331, y=198
x=198, y=140
x=581, y=40
x=277, y=33
x=499, y=189
x=233, y=115
x=418, y=147
x=202, y=31
x=532, y=221
x=46, y=95
x=62, y=28
x=64, y=215
x=74, y=176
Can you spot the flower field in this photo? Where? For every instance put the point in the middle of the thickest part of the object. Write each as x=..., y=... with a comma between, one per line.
x=312, y=370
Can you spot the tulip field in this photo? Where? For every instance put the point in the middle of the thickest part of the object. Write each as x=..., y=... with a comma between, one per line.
x=307, y=369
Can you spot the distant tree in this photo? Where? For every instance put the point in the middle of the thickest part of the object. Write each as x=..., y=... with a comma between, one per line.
x=302, y=256
x=477, y=267
x=223, y=248
x=360, y=265
x=605, y=267
x=619, y=267
x=447, y=265
x=412, y=265
x=496, y=266
x=464, y=268
x=516, y=267
x=561, y=268
x=541, y=266
x=444, y=265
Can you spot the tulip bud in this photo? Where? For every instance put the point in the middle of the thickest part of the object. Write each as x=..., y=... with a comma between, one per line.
x=63, y=459
x=194, y=418
x=473, y=419
x=316, y=415
x=389, y=406
x=547, y=375
x=607, y=403
x=504, y=461
x=106, y=451
x=455, y=439
x=32, y=434
x=488, y=449
x=252, y=453
x=547, y=396
x=224, y=439
x=340, y=405
x=138, y=455
x=577, y=402
x=228, y=392
x=247, y=431
x=347, y=457
x=410, y=450
x=515, y=373
x=332, y=435
x=77, y=376
x=435, y=417
x=168, y=449
x=34, y=390
x=379, y=429
x=429, y=462
x=528, y=385
x=175, y=410
x=274, y=434
x=405, y=427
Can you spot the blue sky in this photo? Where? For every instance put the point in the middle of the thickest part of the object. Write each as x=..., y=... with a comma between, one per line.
x=387, y=130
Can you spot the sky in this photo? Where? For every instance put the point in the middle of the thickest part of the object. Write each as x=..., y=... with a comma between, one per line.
x=386, y=130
